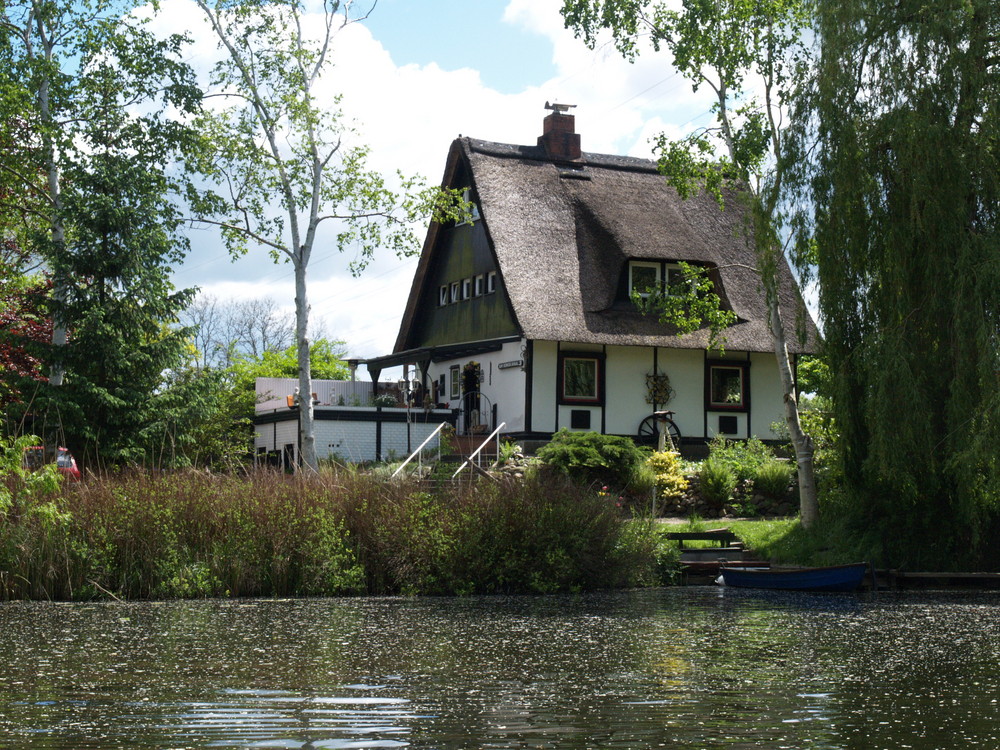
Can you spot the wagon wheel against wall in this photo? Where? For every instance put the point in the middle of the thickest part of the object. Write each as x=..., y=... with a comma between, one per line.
x=649, y=432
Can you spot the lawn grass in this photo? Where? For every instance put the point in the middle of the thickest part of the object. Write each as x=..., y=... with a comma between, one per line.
x=784, y=541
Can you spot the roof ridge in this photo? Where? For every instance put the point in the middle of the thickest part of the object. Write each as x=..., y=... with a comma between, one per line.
x=537, y=153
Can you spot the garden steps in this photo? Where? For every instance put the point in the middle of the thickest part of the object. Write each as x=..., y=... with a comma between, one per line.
x=441, y=473
x=464, y=445
x=700, y=565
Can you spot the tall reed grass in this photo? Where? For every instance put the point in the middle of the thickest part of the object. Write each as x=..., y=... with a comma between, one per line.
x=266, y=534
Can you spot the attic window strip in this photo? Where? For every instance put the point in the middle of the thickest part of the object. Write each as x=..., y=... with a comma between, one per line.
x=574, y=174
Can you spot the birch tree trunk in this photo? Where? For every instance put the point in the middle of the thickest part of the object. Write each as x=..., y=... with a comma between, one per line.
x=801, y=442
x=307, y=433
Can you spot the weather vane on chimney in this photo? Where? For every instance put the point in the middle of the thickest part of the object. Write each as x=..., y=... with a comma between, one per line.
x=560, y=108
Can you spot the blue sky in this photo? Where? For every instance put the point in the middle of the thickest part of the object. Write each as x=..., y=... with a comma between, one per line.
x=463, y=33
x=416, y=75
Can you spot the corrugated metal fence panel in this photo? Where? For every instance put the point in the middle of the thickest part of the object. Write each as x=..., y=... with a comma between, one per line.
x=329, y=392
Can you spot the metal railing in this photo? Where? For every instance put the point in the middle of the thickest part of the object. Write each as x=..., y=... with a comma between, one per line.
x=420, y=448
x=482, y=445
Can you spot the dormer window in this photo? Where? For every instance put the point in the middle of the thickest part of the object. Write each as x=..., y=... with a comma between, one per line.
x=647, y=276
x=643, y=278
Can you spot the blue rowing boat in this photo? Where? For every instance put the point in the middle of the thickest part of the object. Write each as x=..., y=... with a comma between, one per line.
x=832, y=578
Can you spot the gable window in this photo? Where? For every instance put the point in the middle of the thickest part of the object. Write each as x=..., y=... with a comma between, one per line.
x=479, y=285
x=491, y=282
x=466, y=288
x=454, y=291
x=443, y=295
x=728, y=385
x=456, y=381
x=472, y=208
x=581, y=378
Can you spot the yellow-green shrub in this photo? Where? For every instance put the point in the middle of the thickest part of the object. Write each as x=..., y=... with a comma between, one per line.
x=670, y=479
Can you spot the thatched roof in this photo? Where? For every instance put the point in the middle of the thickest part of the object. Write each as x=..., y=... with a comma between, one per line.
x=563, y=233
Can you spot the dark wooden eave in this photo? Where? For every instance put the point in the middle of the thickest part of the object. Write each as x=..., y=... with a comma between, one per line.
x=423, y=355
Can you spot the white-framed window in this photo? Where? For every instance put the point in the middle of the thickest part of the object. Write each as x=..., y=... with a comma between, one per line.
x=467, y=288
x=728, y=386
x=455, y=374
x=643, y=277
x=491, y=282
x=455, y=290
x=473, y=208
x=673, y=275
x=479, y=285
x=443, y=295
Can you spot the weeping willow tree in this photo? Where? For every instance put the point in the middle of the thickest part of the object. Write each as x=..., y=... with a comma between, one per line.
x=905, y=180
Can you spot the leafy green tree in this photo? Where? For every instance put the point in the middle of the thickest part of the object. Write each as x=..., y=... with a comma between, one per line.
x=325, y=362
x=203, y=419
x=900, y=159
x=750, y=54
x=90, y=87
x=289, y=159
x=119, y=304
x=813, y=375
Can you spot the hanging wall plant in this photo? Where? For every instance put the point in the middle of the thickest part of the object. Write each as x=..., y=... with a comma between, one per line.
x=658, y=390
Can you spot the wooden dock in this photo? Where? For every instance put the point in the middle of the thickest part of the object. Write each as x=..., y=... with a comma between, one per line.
x=899, y=580
x=700, y=566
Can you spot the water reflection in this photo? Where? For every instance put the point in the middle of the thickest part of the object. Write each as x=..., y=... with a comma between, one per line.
x=685, y=668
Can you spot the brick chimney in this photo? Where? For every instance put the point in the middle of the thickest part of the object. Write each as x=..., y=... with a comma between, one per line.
x=559, y=137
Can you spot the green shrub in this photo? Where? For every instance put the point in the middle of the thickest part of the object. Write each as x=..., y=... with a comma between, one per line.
x=717, y=481
x=819, y=424
x=742, y=457
x=592, y=457
x=745, y=509
x=772, y=479
x=642, y=484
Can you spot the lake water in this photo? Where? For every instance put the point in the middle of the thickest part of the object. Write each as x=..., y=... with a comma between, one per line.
x=677, y=668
